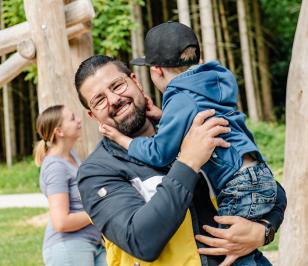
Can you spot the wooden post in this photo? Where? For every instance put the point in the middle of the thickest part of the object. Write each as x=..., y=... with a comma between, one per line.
x=55, y=70
x=293, y=243
x=82, y=48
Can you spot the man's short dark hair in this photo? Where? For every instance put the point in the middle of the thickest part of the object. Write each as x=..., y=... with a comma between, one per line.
x=89, y=67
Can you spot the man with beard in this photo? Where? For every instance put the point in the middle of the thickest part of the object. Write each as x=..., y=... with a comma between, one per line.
x=150, y=214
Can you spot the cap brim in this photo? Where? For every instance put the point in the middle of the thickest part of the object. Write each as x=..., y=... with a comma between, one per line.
x=138, y=61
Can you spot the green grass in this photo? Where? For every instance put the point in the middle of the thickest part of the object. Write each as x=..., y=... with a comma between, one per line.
x=270, y=139
x=22, y=177
x=20, y=242
x=274, y=245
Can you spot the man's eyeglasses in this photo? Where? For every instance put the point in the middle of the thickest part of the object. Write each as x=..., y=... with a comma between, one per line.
x=118, y=86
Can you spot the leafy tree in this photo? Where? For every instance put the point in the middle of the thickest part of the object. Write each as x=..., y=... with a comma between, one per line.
x=112, y=26
x=279, y=22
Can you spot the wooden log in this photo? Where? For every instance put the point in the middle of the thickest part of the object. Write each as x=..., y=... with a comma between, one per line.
x=82, y=48
x=77, y=12
x=78, y=30
x=12, y=67
x=10, y=37
x=55, y=70
x=26, y=49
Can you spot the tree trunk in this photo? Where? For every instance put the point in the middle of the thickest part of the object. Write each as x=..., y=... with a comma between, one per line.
x=220, y=44
x=263, y=66
x=207, y=29
x=55, y=70
x=150, y=25
x=251, y=41
x=293, y=243
x=250, y=90
x=165, y=10
x=21, y=124
x=33, y=113
x=228, y=45
x=196, y=22
x=183, y=9
x=137, y=38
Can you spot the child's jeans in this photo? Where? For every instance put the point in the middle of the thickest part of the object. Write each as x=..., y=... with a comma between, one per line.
x=250, y=194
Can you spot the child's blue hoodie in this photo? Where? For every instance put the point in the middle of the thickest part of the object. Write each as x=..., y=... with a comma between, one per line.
x=206, y=86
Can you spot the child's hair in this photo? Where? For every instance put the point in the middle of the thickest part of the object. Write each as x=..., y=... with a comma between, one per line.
x=189, y=54
x=46, y=123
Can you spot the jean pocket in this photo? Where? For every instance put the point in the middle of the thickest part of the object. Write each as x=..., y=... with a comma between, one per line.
x=264, y=196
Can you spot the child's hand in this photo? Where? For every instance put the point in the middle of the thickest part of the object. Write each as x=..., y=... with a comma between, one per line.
x=115, y=135
x=152, y=111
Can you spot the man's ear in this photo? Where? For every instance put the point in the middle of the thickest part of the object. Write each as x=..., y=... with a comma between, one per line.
x=90, y=115
x=134, y=79
x=93, y=117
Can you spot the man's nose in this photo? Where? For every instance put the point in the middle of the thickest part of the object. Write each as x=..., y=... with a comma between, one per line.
x=113, y=98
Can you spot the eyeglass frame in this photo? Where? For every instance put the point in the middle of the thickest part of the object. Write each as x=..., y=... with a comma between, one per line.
x=112, y=90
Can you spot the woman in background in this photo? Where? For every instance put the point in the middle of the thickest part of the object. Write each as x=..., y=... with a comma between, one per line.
x=70, y=238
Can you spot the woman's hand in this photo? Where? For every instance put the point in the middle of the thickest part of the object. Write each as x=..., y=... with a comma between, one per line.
x=152, y=111
x=242, y=237
x=201, y=139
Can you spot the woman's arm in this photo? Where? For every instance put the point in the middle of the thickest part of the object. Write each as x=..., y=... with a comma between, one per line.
x=62, y=220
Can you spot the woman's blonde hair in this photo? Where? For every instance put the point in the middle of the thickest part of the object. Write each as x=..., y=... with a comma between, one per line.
x=46, y=123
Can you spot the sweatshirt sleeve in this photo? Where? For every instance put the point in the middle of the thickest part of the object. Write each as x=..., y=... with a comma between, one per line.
x=276, y=215
x=163, y=148
x=120, y=212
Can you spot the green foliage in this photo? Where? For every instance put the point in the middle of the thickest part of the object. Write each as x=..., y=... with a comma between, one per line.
x=270, y=139
x=22, y=177
x=279, y=21
x=21, y=242
x=112, y=26
x=13, y=12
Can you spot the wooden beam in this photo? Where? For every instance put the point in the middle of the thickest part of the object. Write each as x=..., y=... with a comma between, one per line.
x=76, y=12
x=10, y=37
x=12, y=67
x=26, y=49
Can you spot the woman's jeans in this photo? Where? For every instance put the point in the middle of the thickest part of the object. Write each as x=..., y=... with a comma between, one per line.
x=75, y=253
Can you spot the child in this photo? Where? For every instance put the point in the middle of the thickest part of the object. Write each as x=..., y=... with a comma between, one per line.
x=239, y=176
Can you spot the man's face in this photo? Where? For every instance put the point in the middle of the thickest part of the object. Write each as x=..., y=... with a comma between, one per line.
x=125, y=111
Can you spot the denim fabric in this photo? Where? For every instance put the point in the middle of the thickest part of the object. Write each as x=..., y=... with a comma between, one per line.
x=254, y=259
x=250, y=194
x=75, y=253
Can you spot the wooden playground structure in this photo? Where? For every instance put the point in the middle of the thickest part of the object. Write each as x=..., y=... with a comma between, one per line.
x=56, y=37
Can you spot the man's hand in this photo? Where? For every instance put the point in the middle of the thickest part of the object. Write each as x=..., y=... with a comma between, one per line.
x=115, y=135
x=201, y=139
x=152, y=111
x=242, y=237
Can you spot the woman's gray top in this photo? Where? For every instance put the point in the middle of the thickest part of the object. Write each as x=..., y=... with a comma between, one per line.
x=59, y=176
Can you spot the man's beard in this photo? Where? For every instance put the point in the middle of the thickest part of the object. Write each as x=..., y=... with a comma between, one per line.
x=133, y=122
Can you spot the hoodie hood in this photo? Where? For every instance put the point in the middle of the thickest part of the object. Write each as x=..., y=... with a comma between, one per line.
x=210, y=80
